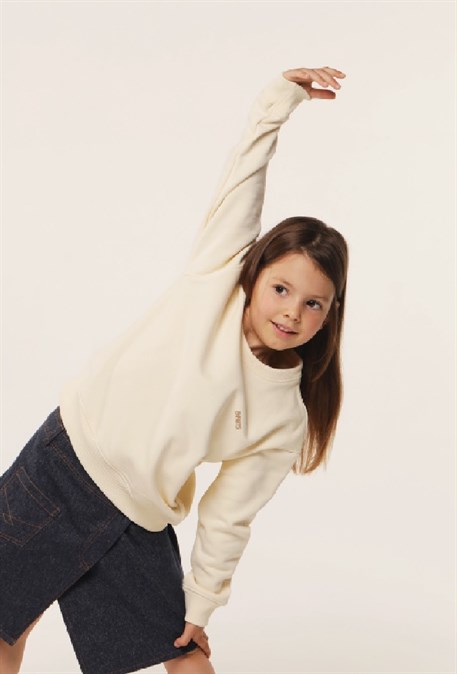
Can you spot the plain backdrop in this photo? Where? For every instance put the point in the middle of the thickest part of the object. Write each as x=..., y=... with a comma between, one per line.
x=117, y=121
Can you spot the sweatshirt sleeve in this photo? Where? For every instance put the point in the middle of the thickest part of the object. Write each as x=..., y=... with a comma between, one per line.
x=233, y=221
x=242, y=487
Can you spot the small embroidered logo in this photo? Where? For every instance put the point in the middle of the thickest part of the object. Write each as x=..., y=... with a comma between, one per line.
x=237, y=419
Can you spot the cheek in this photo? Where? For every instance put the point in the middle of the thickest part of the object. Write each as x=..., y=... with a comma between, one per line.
x=265, y=305
x=270, y=307
x=316, y=323
x=321, y=321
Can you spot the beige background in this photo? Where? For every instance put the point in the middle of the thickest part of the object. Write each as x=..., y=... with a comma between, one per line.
x=117, y=120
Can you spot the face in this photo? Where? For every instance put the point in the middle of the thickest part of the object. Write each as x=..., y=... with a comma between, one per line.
x=289, y=304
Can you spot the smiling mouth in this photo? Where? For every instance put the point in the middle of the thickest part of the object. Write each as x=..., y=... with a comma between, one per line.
x=283, y=330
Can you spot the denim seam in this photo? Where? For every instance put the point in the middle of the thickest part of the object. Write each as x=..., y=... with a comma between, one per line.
x=3, y=489
x=93, y=537
x=38, y=528
x=53, y=427
x=55, y=510
x=80, y=477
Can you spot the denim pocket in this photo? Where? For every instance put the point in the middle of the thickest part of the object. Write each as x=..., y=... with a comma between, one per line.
x=24, y=509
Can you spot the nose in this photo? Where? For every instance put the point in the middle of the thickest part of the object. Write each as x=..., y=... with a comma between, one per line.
x=293, y=312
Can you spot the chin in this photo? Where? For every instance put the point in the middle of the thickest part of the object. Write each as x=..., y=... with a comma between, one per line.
x=279, y=348
x=283, y=348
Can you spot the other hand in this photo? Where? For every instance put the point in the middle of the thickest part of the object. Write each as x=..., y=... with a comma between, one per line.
x=325, y=77
x=198, y=635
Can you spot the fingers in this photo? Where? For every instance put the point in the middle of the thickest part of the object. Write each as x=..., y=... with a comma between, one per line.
x=202, y=642
x=321, y=93
x=197, y=634
x=325, y=77
x=185, y=637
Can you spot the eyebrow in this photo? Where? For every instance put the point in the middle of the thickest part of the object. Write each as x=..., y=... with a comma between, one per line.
x=319, y=297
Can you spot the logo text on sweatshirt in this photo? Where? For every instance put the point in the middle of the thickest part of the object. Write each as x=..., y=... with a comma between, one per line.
x=237, y=419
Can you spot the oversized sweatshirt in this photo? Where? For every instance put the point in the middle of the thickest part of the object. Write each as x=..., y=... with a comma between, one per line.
x=181, y=386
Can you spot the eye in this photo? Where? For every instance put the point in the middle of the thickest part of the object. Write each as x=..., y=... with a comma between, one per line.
x=314, y=304
x=278, y=289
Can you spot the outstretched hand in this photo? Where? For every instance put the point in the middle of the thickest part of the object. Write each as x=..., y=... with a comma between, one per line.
x=197, y=634
x=325, y=77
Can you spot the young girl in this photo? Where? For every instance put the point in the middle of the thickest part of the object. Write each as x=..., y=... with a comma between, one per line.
x=237, y=363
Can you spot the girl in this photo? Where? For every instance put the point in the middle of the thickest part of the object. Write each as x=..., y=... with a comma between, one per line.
x=237, y=363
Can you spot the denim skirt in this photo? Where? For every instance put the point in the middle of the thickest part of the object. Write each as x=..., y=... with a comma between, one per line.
x=118, y=586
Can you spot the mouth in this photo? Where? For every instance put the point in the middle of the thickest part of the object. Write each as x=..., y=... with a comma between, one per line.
x=283, y=330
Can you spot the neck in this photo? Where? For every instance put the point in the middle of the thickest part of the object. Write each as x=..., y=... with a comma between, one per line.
x=277, y=359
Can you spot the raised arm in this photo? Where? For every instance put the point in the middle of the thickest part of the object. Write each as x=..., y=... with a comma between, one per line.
x=233, y=221
x=243, y=486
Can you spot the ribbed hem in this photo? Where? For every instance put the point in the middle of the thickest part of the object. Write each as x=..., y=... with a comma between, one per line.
x=112, y=483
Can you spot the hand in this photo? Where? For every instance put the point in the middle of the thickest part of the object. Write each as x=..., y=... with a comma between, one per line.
x=324, y=76
x=196, y=633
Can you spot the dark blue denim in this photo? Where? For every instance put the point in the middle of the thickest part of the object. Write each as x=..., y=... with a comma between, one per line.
x=119, y=586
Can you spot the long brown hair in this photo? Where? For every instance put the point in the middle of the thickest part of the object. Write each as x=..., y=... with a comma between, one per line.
x=321, y=382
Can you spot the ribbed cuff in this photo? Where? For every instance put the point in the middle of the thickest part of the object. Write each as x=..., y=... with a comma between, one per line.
x=281, y=88
x=198, y=609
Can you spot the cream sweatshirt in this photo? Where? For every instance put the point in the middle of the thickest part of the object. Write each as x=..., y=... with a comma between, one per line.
x=181, y=386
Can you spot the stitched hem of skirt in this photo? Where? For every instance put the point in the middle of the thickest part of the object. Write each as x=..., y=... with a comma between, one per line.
x=150, y=662
x=6, y=637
